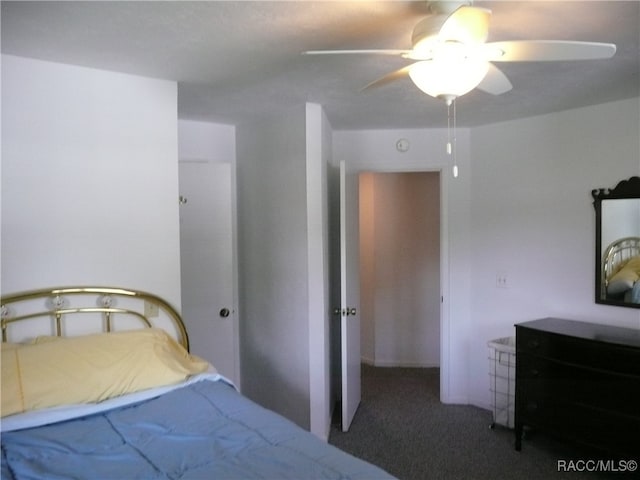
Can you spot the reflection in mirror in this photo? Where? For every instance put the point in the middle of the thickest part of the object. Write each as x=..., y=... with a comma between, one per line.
x=618, y=244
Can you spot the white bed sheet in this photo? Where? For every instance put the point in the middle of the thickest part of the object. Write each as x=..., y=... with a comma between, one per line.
x=46, y=416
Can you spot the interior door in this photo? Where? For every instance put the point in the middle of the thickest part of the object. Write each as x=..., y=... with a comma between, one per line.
x=349, y=295
x=206, y=262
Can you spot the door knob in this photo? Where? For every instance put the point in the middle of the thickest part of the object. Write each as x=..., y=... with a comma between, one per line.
x=345, y=312
x=224, y=312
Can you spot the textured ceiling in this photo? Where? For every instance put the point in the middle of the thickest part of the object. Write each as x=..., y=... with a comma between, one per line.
x=237, y=60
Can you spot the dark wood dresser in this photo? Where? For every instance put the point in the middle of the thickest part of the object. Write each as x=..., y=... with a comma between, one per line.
x=579, y=381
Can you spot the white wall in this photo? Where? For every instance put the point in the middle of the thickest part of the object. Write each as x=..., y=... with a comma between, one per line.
x=89, y=179
x=283, y=264
x=272, y=264
x=205, y=141
x=532, y=219
x=375, y=150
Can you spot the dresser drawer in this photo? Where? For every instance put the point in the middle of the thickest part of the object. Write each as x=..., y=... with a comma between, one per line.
x=584, y=424
x=604, y=356
x=578, y=384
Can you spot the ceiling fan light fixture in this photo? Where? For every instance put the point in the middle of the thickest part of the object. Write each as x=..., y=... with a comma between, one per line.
x=448, y=78
x=424, y=49
x=451, y=54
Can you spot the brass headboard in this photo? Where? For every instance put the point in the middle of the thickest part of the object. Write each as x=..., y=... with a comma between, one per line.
x=616, y=254
x=99, y=308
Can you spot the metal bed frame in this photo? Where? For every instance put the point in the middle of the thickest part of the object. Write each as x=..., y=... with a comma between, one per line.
x=616, y=254
x=54, y=307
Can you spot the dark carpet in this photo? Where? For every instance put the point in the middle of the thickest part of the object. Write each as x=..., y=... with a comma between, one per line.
x=402, y=427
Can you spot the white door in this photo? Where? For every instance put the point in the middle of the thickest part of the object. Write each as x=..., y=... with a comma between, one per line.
x=349, y=295
x=206, y=259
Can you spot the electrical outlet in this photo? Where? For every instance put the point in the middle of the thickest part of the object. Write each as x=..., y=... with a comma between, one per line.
x=151, y=310
x=501, y=280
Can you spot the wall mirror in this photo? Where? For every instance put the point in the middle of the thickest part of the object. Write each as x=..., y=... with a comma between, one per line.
x=618, y=244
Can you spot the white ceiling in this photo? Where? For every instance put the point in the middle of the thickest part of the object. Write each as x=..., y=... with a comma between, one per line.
x=236, y=60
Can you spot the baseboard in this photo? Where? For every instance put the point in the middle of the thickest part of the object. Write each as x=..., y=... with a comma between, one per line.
x=481, y=404
x=391, y=364
x=455, y=400
x=367, y=361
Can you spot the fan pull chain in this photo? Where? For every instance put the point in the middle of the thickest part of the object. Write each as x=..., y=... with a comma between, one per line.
x=452, y=147
x=449, y=129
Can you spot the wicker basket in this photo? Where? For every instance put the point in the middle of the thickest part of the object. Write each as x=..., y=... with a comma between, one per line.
x=502, y=376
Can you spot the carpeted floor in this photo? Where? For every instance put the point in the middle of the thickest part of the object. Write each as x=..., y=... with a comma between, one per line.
x=402, y=427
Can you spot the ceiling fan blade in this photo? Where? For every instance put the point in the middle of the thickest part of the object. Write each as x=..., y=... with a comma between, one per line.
x=467, y=25
x=358, y=52
x=495, y=82
x=549, y=50
x=390, y=77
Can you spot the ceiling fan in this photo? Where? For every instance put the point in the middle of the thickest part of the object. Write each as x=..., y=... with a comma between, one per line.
x=451, y=56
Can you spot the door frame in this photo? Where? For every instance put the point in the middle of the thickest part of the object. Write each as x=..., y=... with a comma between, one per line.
x=445, y=333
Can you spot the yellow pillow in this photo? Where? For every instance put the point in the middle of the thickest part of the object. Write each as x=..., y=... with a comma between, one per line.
x=634, y=264
x=91, y=368
x=624, y=279
x=46, y=338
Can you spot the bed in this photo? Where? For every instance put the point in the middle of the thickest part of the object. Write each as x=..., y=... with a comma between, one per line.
x=621, y=270
x=98, y=383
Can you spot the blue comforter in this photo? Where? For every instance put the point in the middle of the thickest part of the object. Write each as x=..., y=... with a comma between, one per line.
x=203, y=430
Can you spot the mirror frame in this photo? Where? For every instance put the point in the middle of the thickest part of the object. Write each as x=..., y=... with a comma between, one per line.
x=624, y=189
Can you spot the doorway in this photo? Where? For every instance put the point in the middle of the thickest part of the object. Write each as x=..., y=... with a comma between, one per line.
x=400, y=268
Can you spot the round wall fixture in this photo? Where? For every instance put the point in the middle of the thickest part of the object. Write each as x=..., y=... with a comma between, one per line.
x=402, y=145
